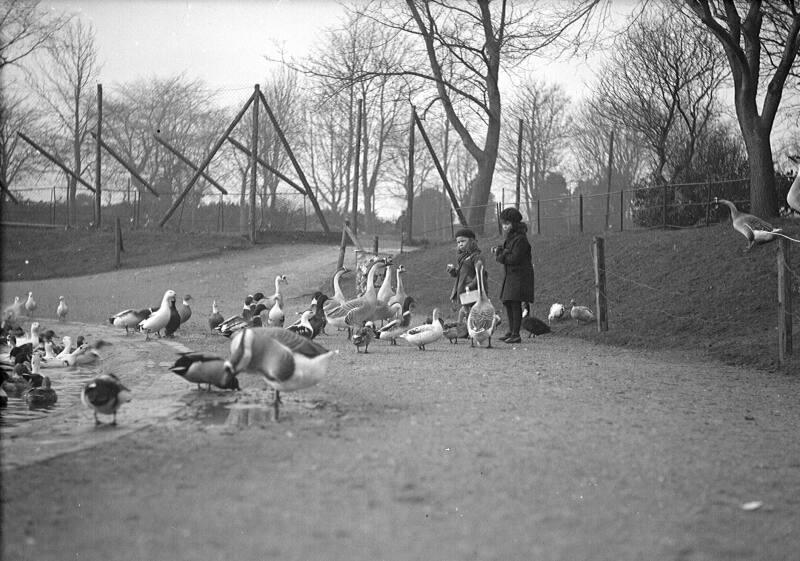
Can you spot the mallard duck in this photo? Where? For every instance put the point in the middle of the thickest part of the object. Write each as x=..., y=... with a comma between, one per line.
x=185, y=310
x=215, y=318
x=30, y=304
x=233, y=324
x=399, y=295
x=41, y=396
x=362, y=336
x=205, y=368
x=303, y=325
x=455, y=330
x=13, y=383
x=129, y=319
x=105, y=394
x=159, y=319
x=403, y=312
x=482, y=319
x=356, y=311
x=62, y=309
x=756, y=230
x=557, y=312
x=424, y=334
x=581, y=314
x=533, y=325
x=287, y=361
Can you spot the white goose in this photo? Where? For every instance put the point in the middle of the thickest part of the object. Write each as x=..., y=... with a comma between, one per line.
x=276, y=316
x=482, y=318
x=426, y=333
x=400, y=292
x=385, y=292
x=358, y=310
x=68, y=348
x=159, y=319
x=287, y=361
x=338, y=295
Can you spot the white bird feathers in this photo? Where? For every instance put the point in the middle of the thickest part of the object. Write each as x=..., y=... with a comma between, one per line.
x=62, y=309
x=482, y=319
x=159, y=319
x=424, y=334
x=557, y=312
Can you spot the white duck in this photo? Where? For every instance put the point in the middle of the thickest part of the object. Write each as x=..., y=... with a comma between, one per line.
x=756, y=230
x=68, y=348
x=62, y=309
x=159, y=319
x=581, y=314
x=129, y=319
x=400, y=292
x=269, y=301
x=33, y=337
x=392, y=330
x=556, y=312
x=482, y=318
x=356, y=311
x=276, y=316
x=426, y=333
x=303, y=325
x=287, y=361
x=30, y=304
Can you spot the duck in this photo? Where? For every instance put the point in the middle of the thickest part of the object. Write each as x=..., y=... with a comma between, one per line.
x=247, y=307
x=318, y=321
x=235, y=323
x=455, y=330
x=557, y=312
x=269, y=301
x=30, y=304
x=33, y=337
x=482, y=318
x=357, y=310
x=581, y=314
x=793, y=196
x=276, y=317
x=303, y=325
x=105, y=394
x=130, y=318
x=215, y=318
x=533, y=325
x=756, y=230
x=85, y=354
x=185, y=310
x=399, y=295
x=174, y=320
x=62, y=309
x=424, y=334
x=41, y=396
x=15, y=310
x=402, y=322
x=205, y=368
x=363, y=336
x=159, y=319
x=66, y=347
x=286, y=361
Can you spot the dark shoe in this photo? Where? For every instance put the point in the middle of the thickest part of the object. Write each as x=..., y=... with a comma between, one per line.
x=513, y=339
x=506, y=336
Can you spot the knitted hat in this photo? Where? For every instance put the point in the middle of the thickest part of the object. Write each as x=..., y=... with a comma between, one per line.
x=511, y=215
x=465, y=233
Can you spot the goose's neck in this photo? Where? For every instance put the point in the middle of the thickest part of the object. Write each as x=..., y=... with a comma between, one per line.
x=732, y=207
x=371, y=279
x=399, y=280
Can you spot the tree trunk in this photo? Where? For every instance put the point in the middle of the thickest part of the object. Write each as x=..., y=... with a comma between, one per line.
x=763, y=198
x=479, y=194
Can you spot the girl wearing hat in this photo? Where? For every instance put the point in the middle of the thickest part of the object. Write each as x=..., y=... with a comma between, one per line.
x=515, y=256
x=469, y=255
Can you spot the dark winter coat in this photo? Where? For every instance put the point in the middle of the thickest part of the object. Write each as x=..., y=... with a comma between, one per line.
x=465, y=274
x=515, y=256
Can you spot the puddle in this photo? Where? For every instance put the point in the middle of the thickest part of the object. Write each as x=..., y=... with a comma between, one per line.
x=67, y=382
x=212, y=412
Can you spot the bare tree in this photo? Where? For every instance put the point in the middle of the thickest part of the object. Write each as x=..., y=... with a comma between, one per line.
x=66, y=85
x=17, y=159
x=759, y=38
x=25, y=28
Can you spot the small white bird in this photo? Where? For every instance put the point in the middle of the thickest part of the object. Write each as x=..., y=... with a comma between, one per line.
x=581, y=314
x=556, y=312
x=30, y=304
x=159, y=319
x=426, y=333
x=61, y=309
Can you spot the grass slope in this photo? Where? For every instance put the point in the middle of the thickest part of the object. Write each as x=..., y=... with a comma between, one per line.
x=690, y=290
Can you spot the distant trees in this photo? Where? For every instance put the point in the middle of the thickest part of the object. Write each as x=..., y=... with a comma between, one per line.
x=25, y=27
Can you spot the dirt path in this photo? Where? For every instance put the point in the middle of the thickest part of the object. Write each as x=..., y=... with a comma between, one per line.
x=553, y=449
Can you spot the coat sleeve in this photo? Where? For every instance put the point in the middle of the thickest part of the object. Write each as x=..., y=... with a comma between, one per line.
x=513, y=254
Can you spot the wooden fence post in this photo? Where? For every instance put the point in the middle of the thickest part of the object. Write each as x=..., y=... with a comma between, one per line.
x=375, y=245
x=580, y=211
x=343, y=245
x=621, y=209
x=538, y=218
x=784, y=301
x=664, y=210
x=98, y=167
x=117, y=243
x=600, y=284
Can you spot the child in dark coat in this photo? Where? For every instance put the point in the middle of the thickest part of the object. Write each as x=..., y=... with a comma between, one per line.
x=469, y=255
x=515, y=256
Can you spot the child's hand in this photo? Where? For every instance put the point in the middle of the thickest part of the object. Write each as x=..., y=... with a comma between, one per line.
x=450, y=267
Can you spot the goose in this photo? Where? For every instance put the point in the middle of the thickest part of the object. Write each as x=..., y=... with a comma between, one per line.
x=205, y=368
x=185, y=310
x=269, y=301
x=385, y=292
x=105, y=394
x=62, y=309
x=392, y=330
x=363, y=336
x=482, y=319
x=357, y=310
x=129, y=319
x=30, y=304
x=338, y=294
x=235, y=323
x=756, y=230
x=424, y=334
x=455, y=330
x=287, y=361
x=41, y=396
x=276, y=317
x=159, y=319
x=793, y=196
x=581, y=314
x=399, y=295
x=303, y=326
x=215, y=318
x=533, y=325
x=556, y=312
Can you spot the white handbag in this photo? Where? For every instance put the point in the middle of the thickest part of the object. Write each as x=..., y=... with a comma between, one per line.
x=468, y=297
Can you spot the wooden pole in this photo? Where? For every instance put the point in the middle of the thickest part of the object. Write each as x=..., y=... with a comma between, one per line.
x=356, y=171
x=98, y=219
x=254, y=168
x=117, y=243
x=268, y=167
x=8, y=193
x=621, y=209
x=189, y=163
x=708, y=202
x=125, y=164
x=308, y=190
x=538, y=217
x=206, y=161
x=56, y=161
x=519, y=162
x=664, y=210
x=442, y=173
x=784, y=300
x=608, y=189
x=600, y=284
x=410, y=180
x=343, y=245
x=580, y=211
x=375, y=245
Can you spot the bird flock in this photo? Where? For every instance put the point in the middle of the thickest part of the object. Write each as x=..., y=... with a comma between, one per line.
x=286, y=355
